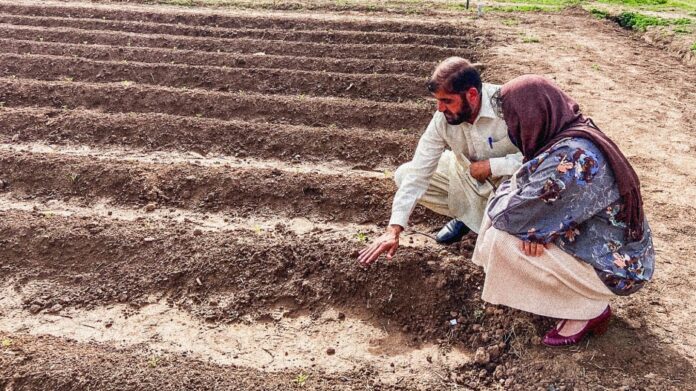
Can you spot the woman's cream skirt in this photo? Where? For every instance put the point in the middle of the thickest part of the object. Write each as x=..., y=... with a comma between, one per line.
x=555, y=284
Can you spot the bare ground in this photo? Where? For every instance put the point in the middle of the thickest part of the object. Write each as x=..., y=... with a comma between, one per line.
x=172, y=238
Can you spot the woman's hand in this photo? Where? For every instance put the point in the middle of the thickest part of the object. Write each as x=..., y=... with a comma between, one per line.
x=532, y=249
x=388, y=241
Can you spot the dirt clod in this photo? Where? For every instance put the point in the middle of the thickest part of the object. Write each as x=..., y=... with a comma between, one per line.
x=482, y=357
x=56, y=308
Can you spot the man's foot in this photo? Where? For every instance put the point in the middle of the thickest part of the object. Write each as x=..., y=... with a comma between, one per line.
x=452, y=232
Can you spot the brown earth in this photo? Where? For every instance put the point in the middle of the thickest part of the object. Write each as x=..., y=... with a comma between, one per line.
x=284, y=109
x=246, y=208
x=182, y=184
x=267, y=33
x=363, y=148
x=235, y=45
x=101, y=261
x=387, y=88
x=191, y=57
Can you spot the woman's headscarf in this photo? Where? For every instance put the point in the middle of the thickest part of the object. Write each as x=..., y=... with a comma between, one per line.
x=538, y=114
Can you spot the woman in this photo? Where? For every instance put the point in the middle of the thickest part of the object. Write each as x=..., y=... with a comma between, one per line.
x=567, y=232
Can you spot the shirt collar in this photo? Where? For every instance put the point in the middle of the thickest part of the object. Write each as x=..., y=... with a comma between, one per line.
x=486, y=108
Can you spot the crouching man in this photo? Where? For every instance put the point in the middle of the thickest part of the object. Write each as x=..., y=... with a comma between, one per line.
x=457, y=181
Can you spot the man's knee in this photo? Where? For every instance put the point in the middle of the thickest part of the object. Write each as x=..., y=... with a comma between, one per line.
x=400, y=173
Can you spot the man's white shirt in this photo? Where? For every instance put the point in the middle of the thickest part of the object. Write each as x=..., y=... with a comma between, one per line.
x=485, y=139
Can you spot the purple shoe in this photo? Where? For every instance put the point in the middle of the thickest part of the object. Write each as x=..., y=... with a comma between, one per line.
x=596, y=326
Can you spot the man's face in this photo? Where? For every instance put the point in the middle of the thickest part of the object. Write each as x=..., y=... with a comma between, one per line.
x=455, y=107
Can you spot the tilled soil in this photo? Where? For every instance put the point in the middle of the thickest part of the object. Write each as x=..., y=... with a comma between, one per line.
x=237, y=45
x=96, y=261
x=266, y=33
x=362, y=148
x=244, y=191
x=172, y=176
x=192, y=57
x=388, y=88
x=291, y=109
x=241, y=20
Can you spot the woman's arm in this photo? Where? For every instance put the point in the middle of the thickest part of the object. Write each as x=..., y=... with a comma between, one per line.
x=555, y=193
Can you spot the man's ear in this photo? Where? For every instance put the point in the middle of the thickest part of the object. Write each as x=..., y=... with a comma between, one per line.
x=472, y=96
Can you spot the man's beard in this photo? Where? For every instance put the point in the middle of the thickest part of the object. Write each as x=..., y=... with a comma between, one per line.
x=464, y=113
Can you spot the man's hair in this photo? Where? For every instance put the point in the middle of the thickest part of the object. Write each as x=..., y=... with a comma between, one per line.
x=454, y=75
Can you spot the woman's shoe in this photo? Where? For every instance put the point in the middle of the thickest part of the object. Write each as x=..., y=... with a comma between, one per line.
x=596, y=326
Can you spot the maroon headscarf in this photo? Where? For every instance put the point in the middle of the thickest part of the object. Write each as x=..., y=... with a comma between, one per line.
x=538, y=114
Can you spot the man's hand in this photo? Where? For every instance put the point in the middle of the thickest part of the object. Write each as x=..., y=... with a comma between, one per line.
x=388, y=241
x=480, y=170
x=533, y=249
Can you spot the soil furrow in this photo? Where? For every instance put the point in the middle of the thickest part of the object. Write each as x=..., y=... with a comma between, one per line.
x=239, y=45
x=387, y=88
x=240, y=20
x=159, y=327
x=45, y=362
x=296, y=110
x=81, y=262
x=271, y=33
x=190, y=158
x=192, y=57
x=366, y=149
x=241, y=191
x=413, y=236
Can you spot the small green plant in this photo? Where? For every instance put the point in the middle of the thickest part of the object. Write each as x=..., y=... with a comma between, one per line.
x=73, y=177
x=6, y=342
x=599, y=14
x=596, y=67
x=361, y=236
x=126, y=83
x=68, y=79
x=511, y=22
x=521, y=8
x=640, y=22
x=153, y=361
x=693, y=47
x=530, y=39
x=184, y=3
x=301, y=379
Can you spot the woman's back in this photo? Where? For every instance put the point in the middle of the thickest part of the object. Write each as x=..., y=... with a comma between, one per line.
x=568, y=195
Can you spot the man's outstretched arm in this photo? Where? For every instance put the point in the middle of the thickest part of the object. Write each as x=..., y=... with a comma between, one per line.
x=412, y=187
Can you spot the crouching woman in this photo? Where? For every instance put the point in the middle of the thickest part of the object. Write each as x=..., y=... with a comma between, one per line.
x=567, y=232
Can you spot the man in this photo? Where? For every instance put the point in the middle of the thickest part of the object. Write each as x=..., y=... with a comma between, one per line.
x=455, y=182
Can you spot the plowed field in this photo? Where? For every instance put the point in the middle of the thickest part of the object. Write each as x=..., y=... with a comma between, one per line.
x=183, y=193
